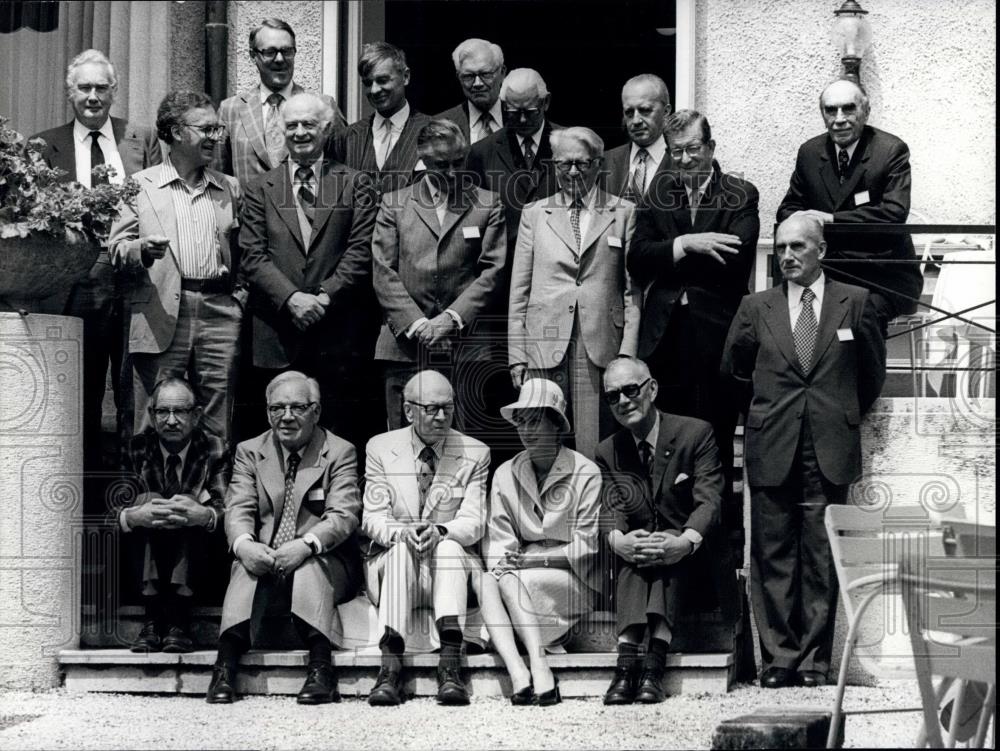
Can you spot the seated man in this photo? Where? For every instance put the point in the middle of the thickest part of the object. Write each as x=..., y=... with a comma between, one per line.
x=182, y=474
x=424, y=511
x=291, y=513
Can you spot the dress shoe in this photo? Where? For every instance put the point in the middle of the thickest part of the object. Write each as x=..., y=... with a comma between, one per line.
x=320, y=686
x=525, y=697
x=451, y=687
x=650, y=689
x=811, y=678
x=220, y=690
x=148, y=640
x=550, y=697
x=386, y=692
x=623, y=686
x=777, y=678
x=177, y=640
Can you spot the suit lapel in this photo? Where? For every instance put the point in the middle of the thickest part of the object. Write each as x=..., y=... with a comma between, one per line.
x=455, y=213
x=777, y=320
x=421, y=198
x=506, y=143
x=272, y=477
x=661, y=456
x=312, y=464
x=331, y=185
x=604, y=215
x=447, y=470
x=558, y=220
x=162, y=204
x=627, y=458
x=704, y=215
x=252, y=116
x=527, y=487
x=278, y=188
x=401, y=470
x=835, y=308
x=859, y=169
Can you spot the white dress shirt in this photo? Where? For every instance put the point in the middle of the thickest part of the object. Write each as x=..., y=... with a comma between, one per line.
x=266, y=92
x=656, y=150
x=795, y=298
x=379, y=136
x=81, y=149
x=313, y=184
x=586, y=213
x=476, y=130
x=536, y=140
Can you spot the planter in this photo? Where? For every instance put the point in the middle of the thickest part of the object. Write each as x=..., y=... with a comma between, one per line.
x=41, y=266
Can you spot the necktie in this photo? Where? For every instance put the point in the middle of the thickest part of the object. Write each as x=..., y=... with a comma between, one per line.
x=171, y=476
x=307, y=199
x=805, y=330
x=695, y=200
x=529, y=152
x=274, y=130
x=574, y=220
x=425, y=475
x=382, y=153
x=646, y=457
x=486, y=124
x=842, y=162
x=637, y=186
x=96, y=158
x=290, y=509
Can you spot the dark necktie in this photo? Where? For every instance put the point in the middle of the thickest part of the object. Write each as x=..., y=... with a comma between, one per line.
x=274, y=130
x=637, y=186
x=307, y=199
x=425, y=475
x=646, y=457
x=529, y=152
x=574, y=220
x=290, y=509
x=805, y=330
x=171, y=476
x=842, y=162
x=96, y=159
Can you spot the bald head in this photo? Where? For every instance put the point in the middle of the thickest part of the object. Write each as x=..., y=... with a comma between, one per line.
x=429, y=405
x=525, y=98
x=427, y=382
x=523, y=82
x=645, y=106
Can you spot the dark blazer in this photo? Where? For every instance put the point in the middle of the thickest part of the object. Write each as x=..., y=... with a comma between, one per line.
x=880, y=166
x=276, y=262
x=844, y=380
x=459, y=114
x=713, y=290
x=137, y=144
x=355, y=148
x=614, y=174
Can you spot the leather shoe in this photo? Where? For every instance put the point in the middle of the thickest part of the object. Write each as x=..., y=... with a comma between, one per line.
x=148, y=640
x=777, y=678
x=650, y=689
x=220, y=690
x=811, y=678
x=386, y=692
x=525, y=697
x=177, y=640
x=550, y=697
x=320, y=686
x=623, y=686
x=451, y=688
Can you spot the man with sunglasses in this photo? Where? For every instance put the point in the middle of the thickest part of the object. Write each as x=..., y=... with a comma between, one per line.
x=480, y=70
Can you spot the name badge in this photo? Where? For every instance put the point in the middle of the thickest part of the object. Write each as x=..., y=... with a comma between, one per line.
x=470, y=233
x=615, y=242
x=316, y=494
x=845, y=335
x=861, y=198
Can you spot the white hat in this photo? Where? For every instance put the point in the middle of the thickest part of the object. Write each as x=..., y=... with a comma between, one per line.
x=539, y=393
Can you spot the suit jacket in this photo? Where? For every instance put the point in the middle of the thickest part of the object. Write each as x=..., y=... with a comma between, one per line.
x=326, y=490
x=355, y=147
x=456, y=499
x=881, y=167
x=154, y=291
x=614, y=174
x=276, y=261
x=243, y=152
x=844, y=379
x=137, y=144
x=551, y=281
x=459, y=114
x=714, y=291
x=422, y=268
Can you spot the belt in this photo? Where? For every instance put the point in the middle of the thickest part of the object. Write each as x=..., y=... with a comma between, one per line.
x=218, y=285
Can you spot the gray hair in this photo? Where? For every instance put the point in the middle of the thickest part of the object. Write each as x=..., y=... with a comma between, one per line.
x=621, y=361
x=322, y=105
x=523, y=79
x=585, y=136
x=293, y=375
x=90, y=56
x=681, y=120
x=472, y=46
x=865, y=101
x=277, y=24
x=441, y=130
x=653, y=80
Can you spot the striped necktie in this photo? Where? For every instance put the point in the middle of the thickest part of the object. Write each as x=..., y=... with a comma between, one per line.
x=274, y=130
x=289, y=509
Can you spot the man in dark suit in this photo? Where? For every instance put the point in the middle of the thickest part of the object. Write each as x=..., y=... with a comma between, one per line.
x=630, y=168
x=291, y=513
x=855, y=173
x=662, y=489
x=695, y=242
x=181, y=475
x=810, y=353
x=480, y=70
x=306, y=235
x=91, y=140
x=439, y=249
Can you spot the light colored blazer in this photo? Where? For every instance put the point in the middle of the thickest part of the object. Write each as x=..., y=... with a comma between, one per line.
x=551, y=281
x=456, y=499
x=154, y=291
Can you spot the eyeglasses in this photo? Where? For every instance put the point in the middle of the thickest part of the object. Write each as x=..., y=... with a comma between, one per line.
x=631, y=391
x=296, y=408
x=270, y=53
x=431, y=410
x=692, y=150
x=582, y=165
x=487, y=77
x=528, y=114
x=208, y=131
x=181, y=413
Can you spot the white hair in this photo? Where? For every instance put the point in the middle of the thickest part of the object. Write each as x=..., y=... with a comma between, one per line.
x=293, y=375
x=472, y=46
x=90, y=56
x=321, y=105
x=523, y=79
x=593, y=142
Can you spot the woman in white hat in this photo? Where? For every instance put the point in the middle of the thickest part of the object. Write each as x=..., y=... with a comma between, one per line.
x=541, y=541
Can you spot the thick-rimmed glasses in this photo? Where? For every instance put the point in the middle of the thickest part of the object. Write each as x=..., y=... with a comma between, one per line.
x=692, y=150
x=582, y=165
x=630, y=390
x=214, y=132
x=181, y=413
x=431, y=410
x=296, y=408
x=487, y=77
x=270, y=53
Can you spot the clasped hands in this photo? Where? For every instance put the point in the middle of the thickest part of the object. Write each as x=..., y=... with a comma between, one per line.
x=435, y=332
x=306, y=309
x=178, y=511
x=514, y=560
x=260, y=559
x=645, y=548
x=421, y=537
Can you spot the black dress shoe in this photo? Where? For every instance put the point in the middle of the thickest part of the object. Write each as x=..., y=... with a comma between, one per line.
x=386, y=692
x=525, y=697
x=451, y=687
x=177, y=640
x=220, y=690
x=550, y=697
x=320, y=686
x=777, y=678
x=811, y=678
x=623, y=686
x=650, y=689
x=148, y=640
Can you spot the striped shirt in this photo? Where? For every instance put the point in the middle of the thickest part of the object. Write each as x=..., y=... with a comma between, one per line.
x=198, y=252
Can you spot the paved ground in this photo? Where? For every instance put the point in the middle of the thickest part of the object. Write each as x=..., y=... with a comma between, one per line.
x=60, y=719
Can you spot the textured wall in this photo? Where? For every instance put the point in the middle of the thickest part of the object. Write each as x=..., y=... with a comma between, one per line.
x=930, y=72
x=187, y=40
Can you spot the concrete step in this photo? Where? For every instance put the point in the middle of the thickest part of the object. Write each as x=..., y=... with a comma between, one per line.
x=581, y=674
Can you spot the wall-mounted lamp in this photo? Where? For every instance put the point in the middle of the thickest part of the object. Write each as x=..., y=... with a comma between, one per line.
x=852, y=34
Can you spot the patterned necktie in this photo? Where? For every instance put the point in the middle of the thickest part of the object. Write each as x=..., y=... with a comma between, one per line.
x=425, y=475
x=637, y=186
x=290, y=509
x=307, y=199
x=529, y=152
x=805, y=330
x=574, y=220
x=171, y=476
x=382, y=153
x=486, y=124
x=96, y=159
x=274, y=130
x=842, y=162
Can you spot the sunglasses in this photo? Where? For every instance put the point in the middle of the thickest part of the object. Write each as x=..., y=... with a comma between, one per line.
x=631, y=391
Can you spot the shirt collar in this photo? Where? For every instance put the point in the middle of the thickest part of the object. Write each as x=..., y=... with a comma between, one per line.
x=286, y=92
x=182, y=453
x=588, y=200
x=703, y=186
x=398, y=120
x=850, y=150
x=657, y=149
x=169, y=174
x=81, y=132
x=652, y=436
x=475, y=113
x=418, y=444
x=536, y=137
x=314, y=166
x=795, y=290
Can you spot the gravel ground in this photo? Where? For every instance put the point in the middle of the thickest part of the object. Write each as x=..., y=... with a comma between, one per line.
x=60, y=719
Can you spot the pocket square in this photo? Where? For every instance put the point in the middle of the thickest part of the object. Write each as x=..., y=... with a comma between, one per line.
x=316, y=494
x=681, y=478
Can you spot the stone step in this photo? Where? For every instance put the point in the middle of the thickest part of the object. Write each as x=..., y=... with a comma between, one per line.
x=581, y=674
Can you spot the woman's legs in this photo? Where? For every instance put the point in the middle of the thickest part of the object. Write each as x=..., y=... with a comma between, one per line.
x=522, y=616
x=498, y=624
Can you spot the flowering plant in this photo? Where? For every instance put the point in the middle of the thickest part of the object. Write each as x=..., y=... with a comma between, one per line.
x=33, y=199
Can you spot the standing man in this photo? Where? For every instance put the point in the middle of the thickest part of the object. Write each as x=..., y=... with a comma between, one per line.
x=480, y=70
x=306, y=236
x=255, y=138
x=291, y=514
x=629, y=169
x=811, y=355
x=176, y=243
x=95, y=139
x=424, y=513
x=439, y=250
x=856, y=173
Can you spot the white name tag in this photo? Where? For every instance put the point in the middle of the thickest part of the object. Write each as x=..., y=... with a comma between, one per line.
x=615, y=242
x=316, y=494
x=845, y=335
x=861, y=198
x=470, y=233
